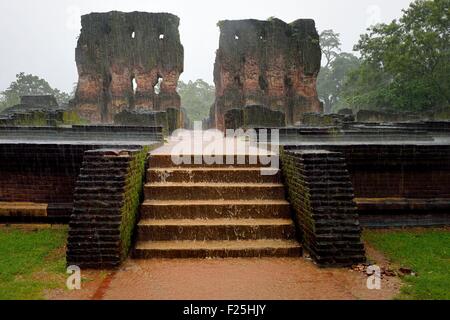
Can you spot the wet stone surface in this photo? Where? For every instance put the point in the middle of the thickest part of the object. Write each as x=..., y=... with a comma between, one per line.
x=267, y=278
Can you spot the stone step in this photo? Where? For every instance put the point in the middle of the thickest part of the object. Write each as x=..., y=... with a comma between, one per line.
x=98, y=225
x=92, y=245
x=206, y=174
x=87, y=204
x=103, y=184
x=173, y=209
x=215, y=229
x=93, y=238
x=332, y=174
x=23, y=209
x=98, y=197
x=99, y=190
x=104, y=171
x=195, y=161
x=217, y=249
x=113, y=160
x=209, y=191
x=98, y=178
x=96, y=218
x=93, y=232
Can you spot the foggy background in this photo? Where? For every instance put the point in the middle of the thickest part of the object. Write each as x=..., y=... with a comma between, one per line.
x=39, y=37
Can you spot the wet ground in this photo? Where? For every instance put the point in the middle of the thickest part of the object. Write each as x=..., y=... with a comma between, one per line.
x=234, y=279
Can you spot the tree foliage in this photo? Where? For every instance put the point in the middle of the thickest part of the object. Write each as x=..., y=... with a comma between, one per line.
x=333, y=75
x=197, y=98
x=330, y=45
x=28, y=84
x=406, y=63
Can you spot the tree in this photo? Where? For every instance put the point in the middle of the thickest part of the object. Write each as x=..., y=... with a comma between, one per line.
x=330, y=44
x=406, y=63
x=28, y=84
x=332, y=80
x=333, y=75
x=2, y=103
x=197, y=98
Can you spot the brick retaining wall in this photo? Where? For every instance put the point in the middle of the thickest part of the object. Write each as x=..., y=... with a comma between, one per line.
x=321, y=195
x=107, y=197
x=40, y=173
x=397, y=185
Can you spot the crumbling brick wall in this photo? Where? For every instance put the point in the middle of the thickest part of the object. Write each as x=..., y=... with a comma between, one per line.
x=121, y=58
x=269, y=63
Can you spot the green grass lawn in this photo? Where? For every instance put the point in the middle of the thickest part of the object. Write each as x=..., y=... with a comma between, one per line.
x=32, y=259
x=425, y=251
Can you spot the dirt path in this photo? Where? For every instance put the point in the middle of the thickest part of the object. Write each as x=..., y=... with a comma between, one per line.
x=194, y=279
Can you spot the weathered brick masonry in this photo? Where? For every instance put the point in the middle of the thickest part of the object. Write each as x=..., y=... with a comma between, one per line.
x=121, y=59
x=397, y=185
x=34, y=170
x=76, y=134
x=271, y=64
x=107, y=197
x=41, y=173
x=321, y=194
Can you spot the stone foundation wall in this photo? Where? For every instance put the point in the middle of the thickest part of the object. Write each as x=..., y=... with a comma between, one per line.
x=401, y=171
x=398, y=185
x=253, y=116
x=34, y=170
x=107, y=198
x=321, y=194
x=83, y=134
x=326, y=120
x=40, y=118
x=43, y=173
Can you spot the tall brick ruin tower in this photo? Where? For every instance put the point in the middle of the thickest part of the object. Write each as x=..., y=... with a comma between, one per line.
x=266, y=63
x=121, y=58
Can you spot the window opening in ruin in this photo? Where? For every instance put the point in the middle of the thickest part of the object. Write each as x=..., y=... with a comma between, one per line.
x=157, y=86
x=106, y=29
x=134, y=84
x=263, y=83
x=237, y=80
x=288, y=82
x=262, y=35
x=161, y=36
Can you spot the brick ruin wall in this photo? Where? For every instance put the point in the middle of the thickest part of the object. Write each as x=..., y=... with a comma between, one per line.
x=121, y=58
x=41, y=173
x=107, y=197
x=267, y=63
x=322, y=198
x=76, y=134
x=398, y=185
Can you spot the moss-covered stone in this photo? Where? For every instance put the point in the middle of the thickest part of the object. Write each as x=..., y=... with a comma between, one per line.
x=107, y=197
x=322, y=197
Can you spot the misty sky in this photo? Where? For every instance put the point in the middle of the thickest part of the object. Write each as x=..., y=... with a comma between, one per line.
x=39, y=37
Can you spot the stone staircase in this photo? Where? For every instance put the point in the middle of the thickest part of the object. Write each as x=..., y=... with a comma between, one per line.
x=200, y=211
